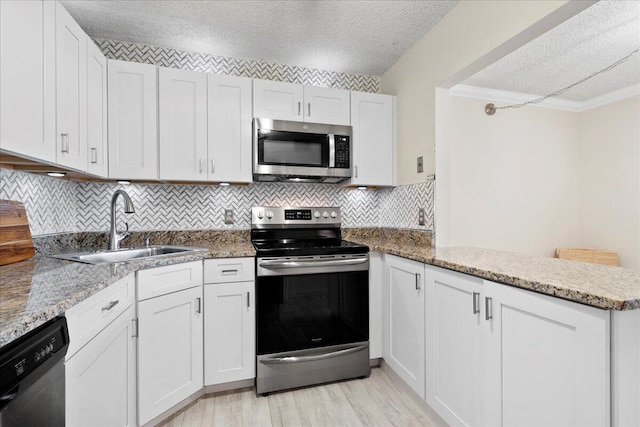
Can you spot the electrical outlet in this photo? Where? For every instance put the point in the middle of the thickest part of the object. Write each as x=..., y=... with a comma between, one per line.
x=420, y=165
x=421, y=216
x=228, y=216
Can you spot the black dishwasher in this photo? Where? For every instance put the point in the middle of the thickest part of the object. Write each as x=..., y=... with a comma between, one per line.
x=32, y=377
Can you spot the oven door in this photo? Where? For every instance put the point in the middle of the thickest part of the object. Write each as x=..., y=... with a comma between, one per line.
x=310, y=302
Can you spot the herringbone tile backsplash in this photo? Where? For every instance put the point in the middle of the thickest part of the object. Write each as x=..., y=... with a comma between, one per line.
x=173, y=58
x=57, y=206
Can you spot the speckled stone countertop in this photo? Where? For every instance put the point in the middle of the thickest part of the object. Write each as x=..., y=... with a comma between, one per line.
x=611, y=288
x=36, y=290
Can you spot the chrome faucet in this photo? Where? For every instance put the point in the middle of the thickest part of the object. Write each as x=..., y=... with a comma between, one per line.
x=114, y=236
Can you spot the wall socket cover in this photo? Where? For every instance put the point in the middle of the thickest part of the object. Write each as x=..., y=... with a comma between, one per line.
x=228, y=216
x=421, y=216
x=420, y=165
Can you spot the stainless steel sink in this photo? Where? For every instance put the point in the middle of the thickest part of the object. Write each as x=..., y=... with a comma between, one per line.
x=128, y=254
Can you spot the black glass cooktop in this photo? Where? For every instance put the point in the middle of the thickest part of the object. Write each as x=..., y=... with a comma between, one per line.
x=308, y=247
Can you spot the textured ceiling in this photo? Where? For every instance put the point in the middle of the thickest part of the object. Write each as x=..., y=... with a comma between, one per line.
x=363, y=37
x=586, y=43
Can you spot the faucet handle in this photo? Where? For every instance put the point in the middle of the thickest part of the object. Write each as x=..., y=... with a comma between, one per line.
x=147, y=242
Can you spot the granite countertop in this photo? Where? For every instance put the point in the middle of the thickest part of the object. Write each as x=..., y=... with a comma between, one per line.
x=606, y=287
x=41, y=288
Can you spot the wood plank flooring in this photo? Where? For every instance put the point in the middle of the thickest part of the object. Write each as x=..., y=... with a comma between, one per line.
x=373, y=401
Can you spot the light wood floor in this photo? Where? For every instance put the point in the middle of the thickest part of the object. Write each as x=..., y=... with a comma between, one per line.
x=373, y=401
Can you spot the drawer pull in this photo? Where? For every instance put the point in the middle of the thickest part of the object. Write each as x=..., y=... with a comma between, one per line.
x=109, y=306
x=418, y=284
x=229, y=272
x=476, y=302
x=488, y=308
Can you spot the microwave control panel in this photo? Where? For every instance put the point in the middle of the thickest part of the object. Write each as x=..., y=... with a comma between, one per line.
x=342, y=152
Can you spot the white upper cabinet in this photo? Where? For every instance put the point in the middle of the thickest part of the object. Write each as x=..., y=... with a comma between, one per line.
x=132, y=99
x=182, y=112
x=97, y=163
x=373, y=121
x=27, y=79
x=326, y=105
x=290, y=101
x=229, y=128
x=71, y=87
x=277, y=100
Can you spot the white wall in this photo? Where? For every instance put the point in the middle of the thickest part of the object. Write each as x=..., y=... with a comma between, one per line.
x=513, y=178
x=471, y=36
x=610, y=179
x=533, y=179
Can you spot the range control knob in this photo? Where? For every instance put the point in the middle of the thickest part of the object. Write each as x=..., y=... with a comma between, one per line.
x=334, y=214
x=325, y=214
x=260, y=214
x=317, y=214
x=269, y=214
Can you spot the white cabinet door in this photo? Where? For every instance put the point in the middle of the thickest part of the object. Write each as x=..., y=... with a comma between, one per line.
x=71, y=88
x=546, y=361
x=454, y=346
x=327, y=105
x=182, y=114
x=170, y=353
x=230, y=138
x=230, y=332
x=372, y=118
x=101, y=377
x=375, y=305
x=277, y=100
x=97, y=112
x=27, y=79
x=132, y=99
x=406, y=334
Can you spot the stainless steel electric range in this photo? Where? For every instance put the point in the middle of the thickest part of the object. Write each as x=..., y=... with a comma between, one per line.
x=312, y=299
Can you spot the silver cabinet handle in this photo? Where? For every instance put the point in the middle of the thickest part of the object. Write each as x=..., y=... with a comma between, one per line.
x=198, y=305
x=109, y=306
x=418, y=284
x=476, y=302
x=355, y=171
x=200, y=170
x=248, y=300
x=296, y=359
x=134, y=328
x=94, y=155
x=299, y=106
x=64, y=138
x=229, y=272
x=488, y=309
x=213, y=165
x=309, y=108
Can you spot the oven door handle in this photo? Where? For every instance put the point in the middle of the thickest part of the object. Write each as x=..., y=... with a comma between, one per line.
x=298, y=359
x=303, y=264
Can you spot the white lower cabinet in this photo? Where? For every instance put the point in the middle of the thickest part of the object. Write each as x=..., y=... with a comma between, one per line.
x=502, y=356
x=546, y=360
x=101, y=377
x=404, y=333
x=170, y=345
x=454, y=346
x=230, y=330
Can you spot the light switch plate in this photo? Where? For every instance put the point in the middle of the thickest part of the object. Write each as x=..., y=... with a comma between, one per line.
x=420, y=165
x=421, y=216
x=228, y=216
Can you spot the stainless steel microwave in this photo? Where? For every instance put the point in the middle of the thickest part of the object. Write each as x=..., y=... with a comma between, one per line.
x=301, y=152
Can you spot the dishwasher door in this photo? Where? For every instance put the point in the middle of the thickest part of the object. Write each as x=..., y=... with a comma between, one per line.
x=32, y=377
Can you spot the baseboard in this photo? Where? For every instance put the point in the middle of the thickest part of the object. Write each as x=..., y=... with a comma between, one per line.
x=175, y=408
x=433, y=416
x=234, y=385
x=374, y=362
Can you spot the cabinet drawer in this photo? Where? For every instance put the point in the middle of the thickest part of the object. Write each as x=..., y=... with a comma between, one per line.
x=170, y=278
x=92, y=315
x=225, y=270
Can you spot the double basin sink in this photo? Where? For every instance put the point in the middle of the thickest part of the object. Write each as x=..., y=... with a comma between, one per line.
x=128, y=254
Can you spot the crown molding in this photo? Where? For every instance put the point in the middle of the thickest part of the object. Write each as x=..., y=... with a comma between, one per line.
x=507, y=97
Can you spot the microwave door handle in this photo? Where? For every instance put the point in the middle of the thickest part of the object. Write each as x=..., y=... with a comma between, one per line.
x=332, y=151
